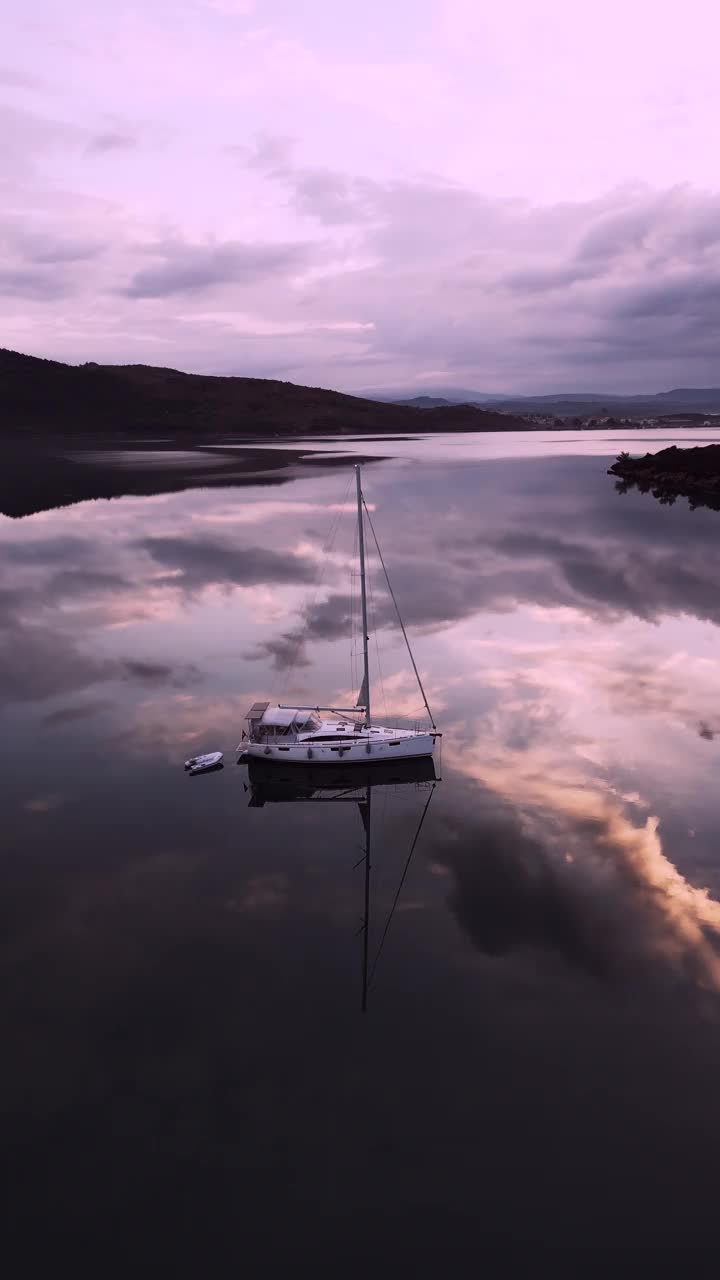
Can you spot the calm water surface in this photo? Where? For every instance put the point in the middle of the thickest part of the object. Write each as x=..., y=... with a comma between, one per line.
x=184, y=1048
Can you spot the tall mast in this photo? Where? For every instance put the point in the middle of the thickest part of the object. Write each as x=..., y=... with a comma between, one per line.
x=365, y=690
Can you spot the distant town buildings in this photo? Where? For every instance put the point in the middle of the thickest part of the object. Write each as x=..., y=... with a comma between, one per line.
x=549, y=421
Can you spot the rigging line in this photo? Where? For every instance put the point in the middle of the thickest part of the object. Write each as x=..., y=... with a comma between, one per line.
x=314, y=590
x=406, y=868
x=352, y=635
x=354, y=682
x=397, y=610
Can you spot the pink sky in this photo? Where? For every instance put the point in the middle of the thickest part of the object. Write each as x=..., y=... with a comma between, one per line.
x=418, y=194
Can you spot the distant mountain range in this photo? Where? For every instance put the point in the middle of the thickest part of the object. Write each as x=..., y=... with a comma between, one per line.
x=565, y=404
x=46, y=397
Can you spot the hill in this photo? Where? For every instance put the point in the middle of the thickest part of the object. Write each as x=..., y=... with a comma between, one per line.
x=445, y=395
x=428, y=402
x=46, y=397
x=692, y=395
x=569, y=404
x=659, y=404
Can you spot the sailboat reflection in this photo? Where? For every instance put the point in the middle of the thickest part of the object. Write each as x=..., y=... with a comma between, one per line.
x=353, y=785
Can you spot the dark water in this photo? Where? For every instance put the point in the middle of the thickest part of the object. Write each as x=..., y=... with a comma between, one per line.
x=184, y=1053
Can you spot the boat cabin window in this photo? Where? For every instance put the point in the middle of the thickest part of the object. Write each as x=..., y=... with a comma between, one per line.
x=304, y=722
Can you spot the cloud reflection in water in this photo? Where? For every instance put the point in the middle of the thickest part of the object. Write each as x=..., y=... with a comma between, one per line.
x=536, y=596
x=562, y=868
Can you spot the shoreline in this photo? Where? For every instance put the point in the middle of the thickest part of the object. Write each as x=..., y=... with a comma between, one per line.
x=672, y=473
x=71, y=470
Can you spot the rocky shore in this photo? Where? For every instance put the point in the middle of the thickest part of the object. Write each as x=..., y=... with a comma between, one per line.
x=672, y=473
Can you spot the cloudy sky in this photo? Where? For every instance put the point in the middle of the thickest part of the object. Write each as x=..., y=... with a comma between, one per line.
x=425, y=193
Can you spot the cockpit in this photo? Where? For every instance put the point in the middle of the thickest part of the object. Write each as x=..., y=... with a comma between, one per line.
x=269, y=723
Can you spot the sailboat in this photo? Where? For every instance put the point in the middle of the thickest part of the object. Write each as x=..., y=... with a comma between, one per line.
x=325, y=736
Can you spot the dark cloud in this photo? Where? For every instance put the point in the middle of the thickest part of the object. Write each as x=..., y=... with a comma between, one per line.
x=25, y=135
x=11, y=601
x=434, y=596
x=331, y=617
x=81, y=711
x=284, y=651
x=156, y=672
x=679, y=222
x=28, y=130
x=49, y=552
x=186, y=268
x=585, y=548
x=72, y=570
x=594, y=551
x=325, y=620
x=333, y=199
x=203, y=561
x=543, y=280
x=510, y=894
x=682, y=299
x=43, y=250
x=36, y=285
x=601, y=577
x=38, y=663
x=612, y=236
x=269, y=153
x=622, y=291
x=112, y=140
x=74, y=583
x=36, y=258
x=11, y=78
x=521, y=295
x=333, y=196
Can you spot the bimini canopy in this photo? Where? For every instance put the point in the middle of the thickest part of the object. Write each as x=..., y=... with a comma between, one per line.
x=278, y=717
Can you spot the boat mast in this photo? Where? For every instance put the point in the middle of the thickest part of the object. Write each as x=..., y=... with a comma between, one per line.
x=365, y=690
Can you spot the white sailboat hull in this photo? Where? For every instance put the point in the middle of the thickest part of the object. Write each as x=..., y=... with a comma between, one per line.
x=364, y=750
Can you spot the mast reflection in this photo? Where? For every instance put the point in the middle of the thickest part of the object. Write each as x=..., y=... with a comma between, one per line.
x=352, y=784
